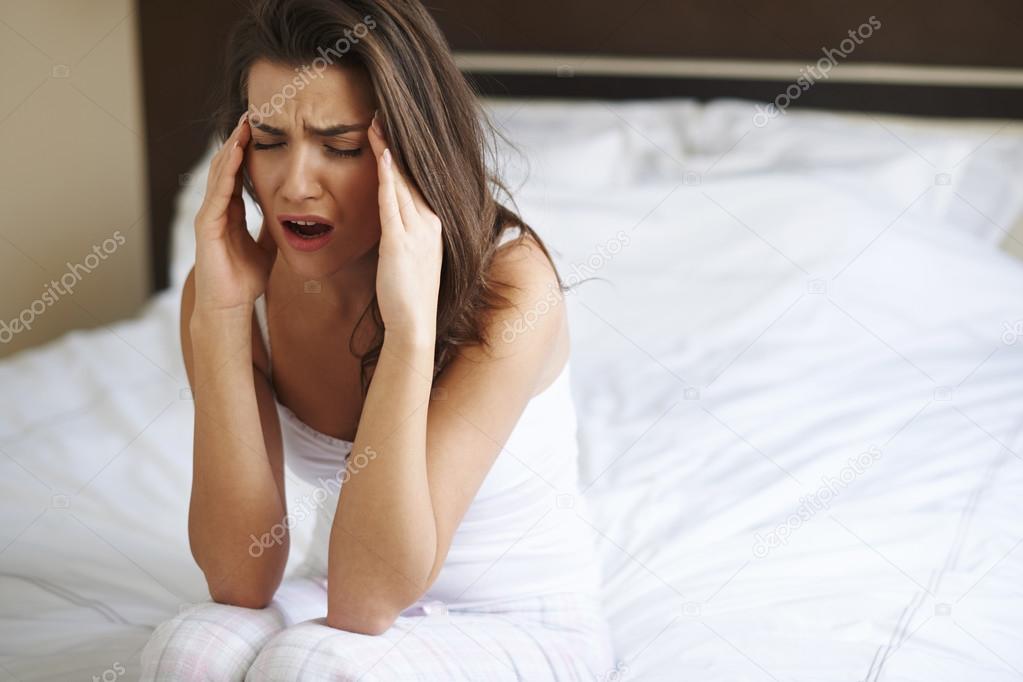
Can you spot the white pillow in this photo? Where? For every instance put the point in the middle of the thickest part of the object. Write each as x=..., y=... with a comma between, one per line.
x=966, y=175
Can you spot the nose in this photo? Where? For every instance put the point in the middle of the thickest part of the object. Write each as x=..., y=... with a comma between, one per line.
x=300, y=179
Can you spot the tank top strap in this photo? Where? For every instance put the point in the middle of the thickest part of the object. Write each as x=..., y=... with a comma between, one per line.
x=264, y=332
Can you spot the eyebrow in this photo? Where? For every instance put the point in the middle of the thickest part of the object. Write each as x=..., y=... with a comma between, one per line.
x=330, y=131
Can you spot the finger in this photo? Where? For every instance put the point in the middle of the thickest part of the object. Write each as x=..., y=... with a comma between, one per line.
x=410, y=196
x=222, y=188
x=236, y=204
x=410, y=200
x=393, y=177
x=390, y=209
x=407, y=206
x=242, y=137
x=230, y=169
x=226, y=185
x=390, y=213
x=218, y=198
x=375, y=132
x=217, y=163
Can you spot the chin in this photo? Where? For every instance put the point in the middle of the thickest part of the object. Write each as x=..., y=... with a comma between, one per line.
x=324, y=263
x=317, y=266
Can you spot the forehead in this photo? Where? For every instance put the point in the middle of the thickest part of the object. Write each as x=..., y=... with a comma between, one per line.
x=333, y=93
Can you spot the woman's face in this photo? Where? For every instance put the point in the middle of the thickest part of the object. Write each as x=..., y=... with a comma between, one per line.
x=298, y=165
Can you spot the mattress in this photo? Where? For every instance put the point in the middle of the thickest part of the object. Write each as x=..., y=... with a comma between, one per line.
x=798, y=366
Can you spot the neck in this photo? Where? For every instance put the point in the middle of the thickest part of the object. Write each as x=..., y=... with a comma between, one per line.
x=338, y=296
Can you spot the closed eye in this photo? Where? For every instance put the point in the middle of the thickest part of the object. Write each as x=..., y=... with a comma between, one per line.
x=344, y=153
x=347, y=153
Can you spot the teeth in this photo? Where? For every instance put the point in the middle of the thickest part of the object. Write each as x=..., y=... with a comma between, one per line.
x=308, y=229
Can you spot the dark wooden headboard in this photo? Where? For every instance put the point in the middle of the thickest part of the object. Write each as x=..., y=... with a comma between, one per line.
x=926, y=57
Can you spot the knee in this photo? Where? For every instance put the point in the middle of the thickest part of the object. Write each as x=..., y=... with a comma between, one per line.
x=310, y=651
x=208, y=641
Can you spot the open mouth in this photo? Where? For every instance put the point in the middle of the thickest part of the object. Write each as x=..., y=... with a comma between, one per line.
x=307, y=230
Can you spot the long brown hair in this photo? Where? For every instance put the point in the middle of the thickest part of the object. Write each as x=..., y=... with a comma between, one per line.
x=440, y=137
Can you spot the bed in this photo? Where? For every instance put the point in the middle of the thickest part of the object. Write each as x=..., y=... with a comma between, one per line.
x=797, y=362
x=754, y=337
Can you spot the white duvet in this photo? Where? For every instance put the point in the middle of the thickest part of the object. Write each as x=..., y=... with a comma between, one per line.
x=799, y=374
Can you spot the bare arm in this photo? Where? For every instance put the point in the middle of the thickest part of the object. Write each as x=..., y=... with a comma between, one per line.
x=425, y=459
x=384, y=539
x=237, y=470
x=236, y=513
x=417, y=463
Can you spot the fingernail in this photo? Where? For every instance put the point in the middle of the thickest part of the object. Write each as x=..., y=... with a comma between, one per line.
x=376, y=123
x=387, y=157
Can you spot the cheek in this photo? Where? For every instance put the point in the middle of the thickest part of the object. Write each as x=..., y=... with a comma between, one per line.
x=260, y=173
x=358, y=189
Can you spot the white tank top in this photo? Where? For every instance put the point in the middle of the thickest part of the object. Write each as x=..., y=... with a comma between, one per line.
x=527, y=531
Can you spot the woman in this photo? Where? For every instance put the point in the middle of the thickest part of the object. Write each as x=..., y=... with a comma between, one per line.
x=403, y=351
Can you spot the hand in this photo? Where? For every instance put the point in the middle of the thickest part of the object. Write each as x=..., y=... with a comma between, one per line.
x=411, y=250
x=231, y=268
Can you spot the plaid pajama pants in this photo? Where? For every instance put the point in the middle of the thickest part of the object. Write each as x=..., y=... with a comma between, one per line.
x=549, y=637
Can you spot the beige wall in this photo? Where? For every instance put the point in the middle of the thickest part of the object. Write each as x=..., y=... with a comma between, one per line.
x=72, y=174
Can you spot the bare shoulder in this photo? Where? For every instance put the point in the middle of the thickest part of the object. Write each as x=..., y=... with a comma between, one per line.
x=517, y=249
x=536, y=321
x=523, y=265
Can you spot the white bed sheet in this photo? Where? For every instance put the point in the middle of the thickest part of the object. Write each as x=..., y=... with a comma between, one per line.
x=784, y=298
